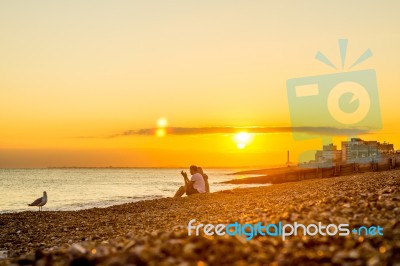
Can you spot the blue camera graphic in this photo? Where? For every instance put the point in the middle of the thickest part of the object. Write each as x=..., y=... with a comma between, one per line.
x=344, y=102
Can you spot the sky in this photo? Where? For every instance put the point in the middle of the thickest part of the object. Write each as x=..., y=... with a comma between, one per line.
x=79, y=80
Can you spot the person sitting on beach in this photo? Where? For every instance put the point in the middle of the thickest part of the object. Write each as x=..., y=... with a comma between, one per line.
x=194, y=186
x=205, y=177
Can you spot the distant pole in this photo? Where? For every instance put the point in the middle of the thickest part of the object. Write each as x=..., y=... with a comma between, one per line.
x=288, y=160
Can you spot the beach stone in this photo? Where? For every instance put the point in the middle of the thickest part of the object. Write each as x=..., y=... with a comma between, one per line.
x=77, y=249
x=3, y=254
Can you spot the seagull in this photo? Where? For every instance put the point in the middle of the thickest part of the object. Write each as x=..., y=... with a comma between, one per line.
x=40, y=201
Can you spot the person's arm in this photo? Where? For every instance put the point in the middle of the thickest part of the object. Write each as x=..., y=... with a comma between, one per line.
x=185, y=177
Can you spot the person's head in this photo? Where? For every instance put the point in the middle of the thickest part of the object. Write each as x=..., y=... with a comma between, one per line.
x=200, y=170
x=193, y=169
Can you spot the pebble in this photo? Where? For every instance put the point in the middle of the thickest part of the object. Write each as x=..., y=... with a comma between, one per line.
x=77, y=249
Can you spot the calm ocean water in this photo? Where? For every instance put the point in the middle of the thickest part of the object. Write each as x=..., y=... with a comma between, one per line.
x=76, y=188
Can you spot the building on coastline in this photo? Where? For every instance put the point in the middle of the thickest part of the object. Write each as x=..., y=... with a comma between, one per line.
x=357, y=148
x=329, y=153
x=353, y=150
x=386, y=148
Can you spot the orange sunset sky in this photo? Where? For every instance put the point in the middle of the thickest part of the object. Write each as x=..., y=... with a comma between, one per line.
x=84, y=83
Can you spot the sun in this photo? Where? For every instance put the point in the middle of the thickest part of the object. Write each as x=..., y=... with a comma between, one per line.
x=161, y=130
x=162, y=122
x=242, y=139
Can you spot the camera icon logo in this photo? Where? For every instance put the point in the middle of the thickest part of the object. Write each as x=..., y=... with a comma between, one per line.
x=346, y=101
x=355, y=89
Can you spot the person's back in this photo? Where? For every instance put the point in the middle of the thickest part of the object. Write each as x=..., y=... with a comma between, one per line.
x=205, y=177
x=198, y=182
x=206, y=183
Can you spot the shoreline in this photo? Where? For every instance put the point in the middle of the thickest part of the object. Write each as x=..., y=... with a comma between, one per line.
x=298, y=173
x=75, y=189
x=150, y=231
x=111, y=203
x=85, y=206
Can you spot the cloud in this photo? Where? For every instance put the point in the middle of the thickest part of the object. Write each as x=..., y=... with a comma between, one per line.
x=232, y=130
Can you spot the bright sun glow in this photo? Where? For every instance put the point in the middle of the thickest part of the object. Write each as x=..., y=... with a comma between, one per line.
x=160, y=132
x=240, y=145
x=242, y=139
x=162, y=122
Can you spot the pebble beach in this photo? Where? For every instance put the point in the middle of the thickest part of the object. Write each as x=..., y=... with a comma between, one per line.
x=154, y=232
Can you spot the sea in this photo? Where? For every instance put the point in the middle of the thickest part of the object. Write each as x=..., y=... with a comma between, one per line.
x=70, y=189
